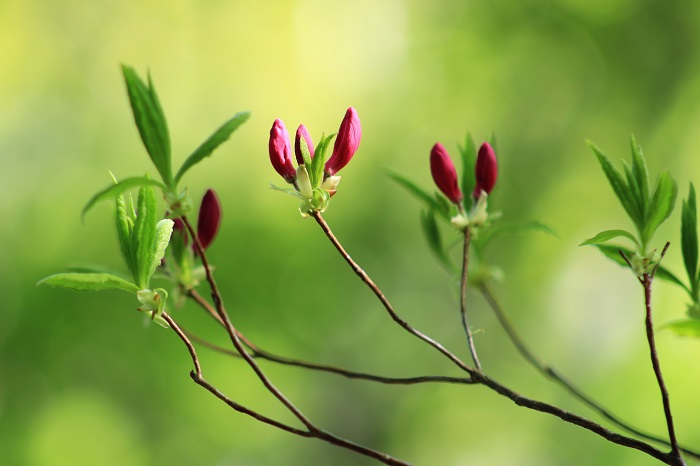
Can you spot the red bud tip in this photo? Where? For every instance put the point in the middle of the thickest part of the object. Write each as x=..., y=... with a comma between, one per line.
x=302, y=132
x=346, y=142
x=281, y=151
x=209, y=220
x=444, y=173
x=486, y=170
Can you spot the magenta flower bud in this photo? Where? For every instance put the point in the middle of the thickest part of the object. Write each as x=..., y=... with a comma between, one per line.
x=346, y=142
x=302, y=132
x=281, y=151
x=486, y=170
x=209, y=220
x=444, y=173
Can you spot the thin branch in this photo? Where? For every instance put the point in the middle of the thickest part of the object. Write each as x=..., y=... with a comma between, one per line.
x=553, y=374
x=261, y=354
x=481, y=378
x=463, y=298
x=649, y=324
x=385, y=302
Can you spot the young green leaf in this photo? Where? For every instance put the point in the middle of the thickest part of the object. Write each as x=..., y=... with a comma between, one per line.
x=689, y=238
x=216, y=139
x=607, y=235
x=144, y=235
x=468, y=153
x=125, y=227
x=434, y=238
x=637, y=201
x=685, y=328
x=89, y=282
x=500, y=231
x=414, y=189
x=661, y=205
x=319, y=160
x=164, y=229
x=618, y=184
x=116, y=189
x=639, y=167
x=150, y=121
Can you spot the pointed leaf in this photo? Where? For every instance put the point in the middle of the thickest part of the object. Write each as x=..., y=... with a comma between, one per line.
x=89, y=282
x=434, y=238
x=216, y=139
x=639, y=167
x=150, y=121
x=607, y=235
x=638, y=202
x=413, y=188
x=116, y=189
x=661, y=206
x=125, y=226
x=319, y=160
x=500, y=231
x=468, y=153
x=689, y=237
x=684, y=328
x=143, y=237
x=164, y=229
x=617, y=183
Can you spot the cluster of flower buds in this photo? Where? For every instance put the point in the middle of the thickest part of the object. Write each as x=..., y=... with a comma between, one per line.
x=305, y=182
x=208, y=222
x=445, y=177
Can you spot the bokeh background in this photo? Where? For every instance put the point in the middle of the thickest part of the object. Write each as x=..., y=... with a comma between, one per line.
x=84, y=381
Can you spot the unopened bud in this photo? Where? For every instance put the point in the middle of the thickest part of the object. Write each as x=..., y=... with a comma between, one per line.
x=209, y=219
x=346, y=142
x=486, y=170
x=444, y=173
x=302, y=132
x=281, y=151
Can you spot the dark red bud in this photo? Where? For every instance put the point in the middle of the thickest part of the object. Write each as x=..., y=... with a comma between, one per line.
x=302, y=132
x=209, y=220
x=281, y=151
x=346, y=142
x=444, y=173
x=486, y=170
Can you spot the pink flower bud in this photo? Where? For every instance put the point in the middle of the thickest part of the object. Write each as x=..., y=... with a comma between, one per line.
x=346, y=142
x=302, y=132
x=281, y=151
x=209, y=220
x=444, y=173
x=486, y=170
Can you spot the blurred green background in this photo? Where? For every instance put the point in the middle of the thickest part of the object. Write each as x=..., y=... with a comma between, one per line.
x=84, y=381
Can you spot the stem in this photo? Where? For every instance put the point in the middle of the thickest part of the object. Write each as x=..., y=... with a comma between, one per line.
x=385, y=302
x=463, y=298
x=481, y=378
x=553, y=374
x=647, y=280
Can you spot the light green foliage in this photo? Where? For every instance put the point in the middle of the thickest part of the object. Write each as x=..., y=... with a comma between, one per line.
x=689, y=240
x=468, y=154
x=647, y=209
x=111, y=191
x=89, y=282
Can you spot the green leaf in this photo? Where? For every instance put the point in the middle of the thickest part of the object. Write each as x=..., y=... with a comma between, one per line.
x=116, y=189
x=613, y=252
x=164, y=229
x=607, y=235
x=433, y=237
x=305, y=152
x=89, y=282
x=617, y=183
x=661, y=206
x=639, y=167
x=684, y=328
x=143, y=237
x=125, y=226
x=319, y=161
x=500, y=231
x=216, y=139
x=638, y=202
x=150, y=121
x=413, y=188
x=468, y=153
x=689, y=238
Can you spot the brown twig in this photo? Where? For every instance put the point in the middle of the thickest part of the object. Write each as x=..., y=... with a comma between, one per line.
x=553, y=374
x=463, y=299
x=647, y=280
x=312, y=430
x=481, y=378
